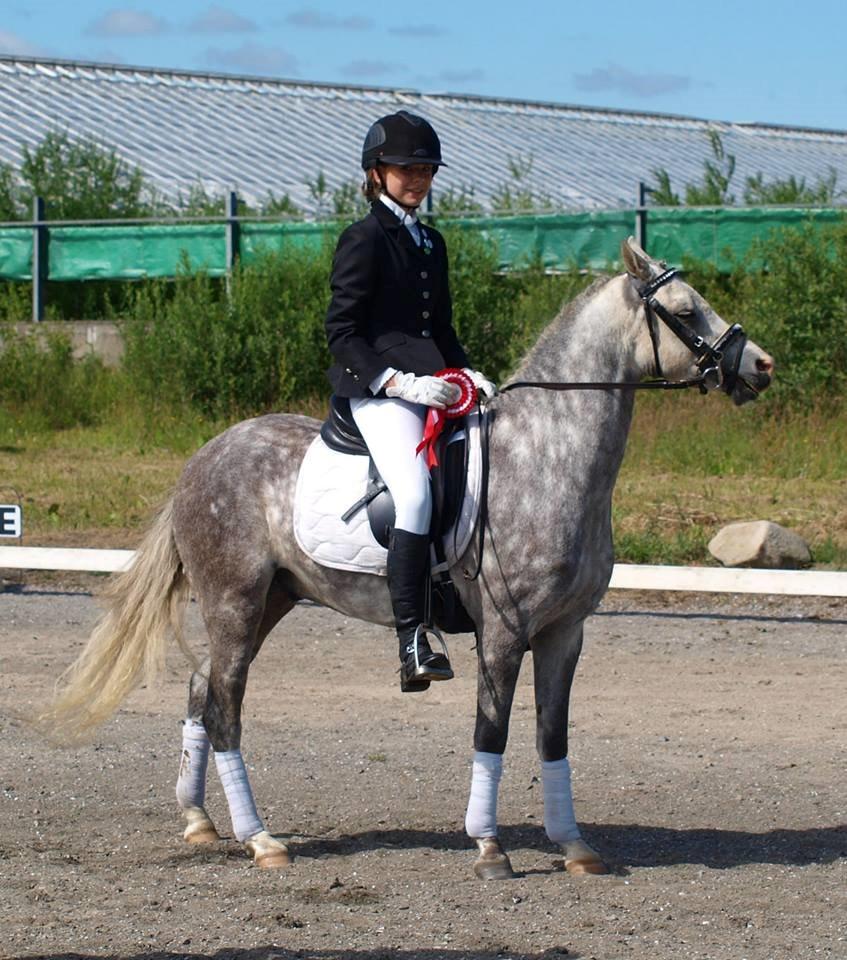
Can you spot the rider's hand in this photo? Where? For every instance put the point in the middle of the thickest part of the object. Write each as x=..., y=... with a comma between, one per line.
x=430, y=391
x=482, y=383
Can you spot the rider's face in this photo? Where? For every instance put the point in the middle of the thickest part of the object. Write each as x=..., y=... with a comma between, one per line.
x=408, y=185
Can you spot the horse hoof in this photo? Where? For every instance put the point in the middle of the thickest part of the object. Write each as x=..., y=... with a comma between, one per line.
x=200, y=828
x=493, y=862
x=267, y=852
x=201, y=833
x=581, y=860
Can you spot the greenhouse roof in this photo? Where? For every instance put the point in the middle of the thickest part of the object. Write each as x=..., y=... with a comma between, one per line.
x=258, y=135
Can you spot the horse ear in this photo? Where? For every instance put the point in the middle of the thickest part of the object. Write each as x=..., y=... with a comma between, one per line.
x=636, y=261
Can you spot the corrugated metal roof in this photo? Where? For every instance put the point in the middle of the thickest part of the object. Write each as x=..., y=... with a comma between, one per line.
x=257, y=135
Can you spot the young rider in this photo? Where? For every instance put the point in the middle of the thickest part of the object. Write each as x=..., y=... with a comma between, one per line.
x=389, y=328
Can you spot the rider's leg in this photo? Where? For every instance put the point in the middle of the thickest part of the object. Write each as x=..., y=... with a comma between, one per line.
x=393, y=429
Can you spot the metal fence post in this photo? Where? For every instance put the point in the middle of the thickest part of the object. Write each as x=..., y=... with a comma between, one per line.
x=233, y=238
x=40, y=242
x=641, y=215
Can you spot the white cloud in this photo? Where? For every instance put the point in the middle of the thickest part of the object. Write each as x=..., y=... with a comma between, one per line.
x=419, y=30
x=618, y=78
x=461, y=76
x=127, y=23
x=369, y=68
x=220, y=20
x=17, y=46
x=316, y=20
x=253, y=58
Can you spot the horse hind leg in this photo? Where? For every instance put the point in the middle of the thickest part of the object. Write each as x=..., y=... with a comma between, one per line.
x=203, y=702
x=193, y=764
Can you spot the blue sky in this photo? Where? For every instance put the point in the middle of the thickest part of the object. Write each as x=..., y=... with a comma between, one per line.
x=774, y=62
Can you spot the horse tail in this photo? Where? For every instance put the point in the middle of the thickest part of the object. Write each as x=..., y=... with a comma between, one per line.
x=144, y=607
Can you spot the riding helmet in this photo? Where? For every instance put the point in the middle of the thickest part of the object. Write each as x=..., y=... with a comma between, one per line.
x=403, y=139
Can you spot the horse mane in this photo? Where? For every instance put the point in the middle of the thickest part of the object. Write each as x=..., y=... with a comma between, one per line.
x=558, y=326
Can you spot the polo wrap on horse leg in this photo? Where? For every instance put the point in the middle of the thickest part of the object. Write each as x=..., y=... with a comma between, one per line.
x=481, y=817
x=559, y=819
x=191, y=782
x=246, y=822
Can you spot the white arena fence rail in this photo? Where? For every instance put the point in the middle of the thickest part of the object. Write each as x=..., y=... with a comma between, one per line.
x=809, y=583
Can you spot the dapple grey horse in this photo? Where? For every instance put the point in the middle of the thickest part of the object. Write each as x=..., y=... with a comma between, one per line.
x=546, y=554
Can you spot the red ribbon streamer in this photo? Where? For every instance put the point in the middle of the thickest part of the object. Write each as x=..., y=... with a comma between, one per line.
x=436, y=419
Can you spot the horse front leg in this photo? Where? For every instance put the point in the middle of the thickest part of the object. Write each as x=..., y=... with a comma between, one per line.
x=499, y=655
x=555, y=652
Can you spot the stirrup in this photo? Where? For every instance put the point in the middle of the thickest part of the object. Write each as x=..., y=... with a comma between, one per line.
x=418, y=677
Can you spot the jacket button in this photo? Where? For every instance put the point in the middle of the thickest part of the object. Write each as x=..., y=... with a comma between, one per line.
x=425, y=314
x=426, y=333
x=425, y=294
x=424, y=274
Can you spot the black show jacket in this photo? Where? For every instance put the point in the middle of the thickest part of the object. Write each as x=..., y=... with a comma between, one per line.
x=390, y=304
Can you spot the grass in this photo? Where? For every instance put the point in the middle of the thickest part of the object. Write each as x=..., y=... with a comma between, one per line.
x=693, y=464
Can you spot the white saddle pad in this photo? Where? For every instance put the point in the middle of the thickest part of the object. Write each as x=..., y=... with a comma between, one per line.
x=329, y=483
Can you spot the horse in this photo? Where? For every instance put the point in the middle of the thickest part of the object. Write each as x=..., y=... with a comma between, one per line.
x=544, y=558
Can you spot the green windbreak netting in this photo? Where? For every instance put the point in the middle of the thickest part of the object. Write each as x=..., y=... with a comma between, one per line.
x=129, y=253
x=15, y=253
x=559, y=241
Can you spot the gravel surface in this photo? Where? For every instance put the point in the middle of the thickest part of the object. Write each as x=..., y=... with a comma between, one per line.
x=707, y=747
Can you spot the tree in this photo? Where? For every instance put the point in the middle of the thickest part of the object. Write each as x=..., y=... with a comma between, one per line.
x=790, y=190
x=517, y=196
x=10, y=206
x=81, y=180
x=457, y=202
x=712, y=191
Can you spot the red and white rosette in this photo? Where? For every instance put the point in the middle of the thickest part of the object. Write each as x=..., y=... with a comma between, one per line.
x=435, y=418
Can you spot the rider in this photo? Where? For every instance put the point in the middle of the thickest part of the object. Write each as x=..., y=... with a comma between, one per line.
x=389, y=328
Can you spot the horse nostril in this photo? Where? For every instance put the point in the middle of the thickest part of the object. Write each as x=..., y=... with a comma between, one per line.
x=765, y=364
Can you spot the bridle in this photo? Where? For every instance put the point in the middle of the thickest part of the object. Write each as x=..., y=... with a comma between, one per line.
x=718, y=363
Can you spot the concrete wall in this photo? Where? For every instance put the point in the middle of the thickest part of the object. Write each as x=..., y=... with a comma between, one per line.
x=87, y=336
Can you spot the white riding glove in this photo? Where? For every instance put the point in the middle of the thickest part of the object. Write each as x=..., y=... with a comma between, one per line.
x=482, y=383
x=430, y=391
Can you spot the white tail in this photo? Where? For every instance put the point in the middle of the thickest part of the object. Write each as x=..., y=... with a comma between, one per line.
x=145, y=605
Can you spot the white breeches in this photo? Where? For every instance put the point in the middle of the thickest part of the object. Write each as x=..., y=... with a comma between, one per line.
x=392, y=429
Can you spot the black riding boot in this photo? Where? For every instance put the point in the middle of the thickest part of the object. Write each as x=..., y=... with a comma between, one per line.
x=408, y=559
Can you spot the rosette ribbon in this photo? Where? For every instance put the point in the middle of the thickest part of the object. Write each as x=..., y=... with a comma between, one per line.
x=436, y=419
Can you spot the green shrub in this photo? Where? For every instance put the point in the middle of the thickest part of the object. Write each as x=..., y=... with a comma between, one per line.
x=42, y=384
x=258, y=348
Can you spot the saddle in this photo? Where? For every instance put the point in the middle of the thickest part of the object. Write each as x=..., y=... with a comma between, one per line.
x=449, y=478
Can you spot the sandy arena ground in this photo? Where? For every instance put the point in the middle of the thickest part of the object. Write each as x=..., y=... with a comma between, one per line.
x=708, y=754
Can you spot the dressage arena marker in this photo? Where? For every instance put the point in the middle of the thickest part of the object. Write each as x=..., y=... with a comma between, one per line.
x=626, y=576
x=11, y=520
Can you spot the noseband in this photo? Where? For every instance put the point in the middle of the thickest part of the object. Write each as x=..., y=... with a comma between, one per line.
x=718, y=363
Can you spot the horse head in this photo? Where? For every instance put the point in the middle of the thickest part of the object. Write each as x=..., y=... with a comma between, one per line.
x=685, y=336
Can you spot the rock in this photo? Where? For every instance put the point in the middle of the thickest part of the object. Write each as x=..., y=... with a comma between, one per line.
x=760, y=543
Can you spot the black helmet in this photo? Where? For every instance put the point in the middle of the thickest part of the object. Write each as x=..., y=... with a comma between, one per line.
x=401, y=138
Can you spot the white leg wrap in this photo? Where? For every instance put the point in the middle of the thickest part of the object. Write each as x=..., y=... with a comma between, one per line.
x=481, y=818
x=242, y=808
x=191, y=782
x=559, y=819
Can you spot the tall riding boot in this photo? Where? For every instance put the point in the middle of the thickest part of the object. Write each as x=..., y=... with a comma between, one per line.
x=408, y=560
